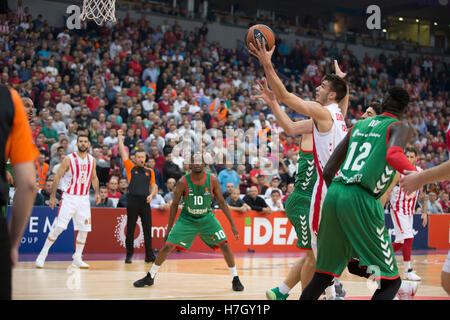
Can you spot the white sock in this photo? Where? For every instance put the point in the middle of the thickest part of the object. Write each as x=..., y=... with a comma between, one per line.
x=233, y=271
x=284, y=289
x=154, y=270
x=407, y=265
x=79, y=249
x=47, y=246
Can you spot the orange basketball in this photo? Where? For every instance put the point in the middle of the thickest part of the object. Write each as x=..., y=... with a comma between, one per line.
x=260, y=31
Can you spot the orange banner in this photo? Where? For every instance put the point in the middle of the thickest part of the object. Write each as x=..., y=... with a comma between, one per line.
x=257, y=232
x=439, y=231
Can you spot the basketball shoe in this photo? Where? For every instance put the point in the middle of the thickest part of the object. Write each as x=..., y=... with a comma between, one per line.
x=411, y=275
x=78, y=262
x=146, y=281
x=40, y=260
x=275, y=294
x=407, y=290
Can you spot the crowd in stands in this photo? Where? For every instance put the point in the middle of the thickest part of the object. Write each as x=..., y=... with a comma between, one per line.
x=155, y=82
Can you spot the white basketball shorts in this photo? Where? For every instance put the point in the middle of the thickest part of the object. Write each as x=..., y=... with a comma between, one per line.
x=77, y=208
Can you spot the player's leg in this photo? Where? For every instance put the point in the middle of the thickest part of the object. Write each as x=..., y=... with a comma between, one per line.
x=332, y=248
x=146, y=219
x=407, y=223
x=82, y=223
x=362, y=219
x=213, y=235
x=149, y=278
x=297, y=211
x=181, y=236
x=5, y=260
x=132, y=216
x=445, y=275
x=229, y=258
x=65, y=212
x=308, y=268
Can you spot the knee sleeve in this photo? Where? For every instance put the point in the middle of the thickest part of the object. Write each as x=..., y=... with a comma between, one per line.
x=55, y=232
x=317, y=286
x=81, y=237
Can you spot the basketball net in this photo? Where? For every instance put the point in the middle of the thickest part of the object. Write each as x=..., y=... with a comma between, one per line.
x=99, y=10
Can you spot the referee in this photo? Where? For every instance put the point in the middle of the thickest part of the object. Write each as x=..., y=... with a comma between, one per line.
x=141, y=190
x=17, y=145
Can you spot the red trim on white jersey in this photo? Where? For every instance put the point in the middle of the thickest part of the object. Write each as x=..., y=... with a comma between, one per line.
x=322, y=151
x=401, y=203
x=80, y=174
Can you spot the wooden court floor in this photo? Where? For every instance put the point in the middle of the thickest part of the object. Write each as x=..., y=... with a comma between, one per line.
x=204, y=277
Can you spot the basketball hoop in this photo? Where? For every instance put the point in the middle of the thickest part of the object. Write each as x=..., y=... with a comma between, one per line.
x=99, y=10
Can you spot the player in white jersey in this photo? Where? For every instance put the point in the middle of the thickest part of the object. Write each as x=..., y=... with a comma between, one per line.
x=77, y=171
x=414, y=181
x=402, y=207
x=328, y=123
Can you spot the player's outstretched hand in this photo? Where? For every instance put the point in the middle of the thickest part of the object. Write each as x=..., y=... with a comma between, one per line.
x=260, y=52
x=52, y=202
x=235, y=232
x=411, y=181
x=265, y=93
x=338, y=70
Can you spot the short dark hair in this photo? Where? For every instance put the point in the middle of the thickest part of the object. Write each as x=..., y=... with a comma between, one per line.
x=337, y=85
x=82, y=135
x=275, y=191
x=395, y=101
x=376, y=106
x=411, y=150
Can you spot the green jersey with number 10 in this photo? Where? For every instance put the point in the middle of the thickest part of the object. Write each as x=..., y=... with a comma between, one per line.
x=365, y=163
x=198, y=197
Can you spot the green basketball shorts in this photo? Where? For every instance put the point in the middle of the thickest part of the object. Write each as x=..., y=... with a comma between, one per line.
x=353, y=225
x=187, y=228
x=297, y=211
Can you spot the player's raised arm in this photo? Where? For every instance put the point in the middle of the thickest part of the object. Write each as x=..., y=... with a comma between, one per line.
x=336, y=160
x=308, y=108
x=414, y=180
x=343, y=104
x=223, y=205
x=65, y=164
x=292, y=128
x=179, y=191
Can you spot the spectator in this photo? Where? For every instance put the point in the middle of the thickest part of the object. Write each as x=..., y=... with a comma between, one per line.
x=170, y=185
x=235, y=203
x=112, y=139
x=255, y=202
x=42, y=169
x=444, y=202
x=158, y=175
x=274, y=202
x=244, y=180
x=228, y=190
x=113, y=188
x=228, y=175
x=274, y=186
x=51, y=135
x=105, y=201
x=46, y=192
x=433, y=205
x=171, y=170
x=158, y=202
x=262, y=185
x=39, y=200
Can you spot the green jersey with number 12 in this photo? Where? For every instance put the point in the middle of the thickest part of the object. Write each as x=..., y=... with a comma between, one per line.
x=365, y=163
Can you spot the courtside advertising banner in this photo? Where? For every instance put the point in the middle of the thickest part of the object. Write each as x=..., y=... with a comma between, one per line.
x=37, y=230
